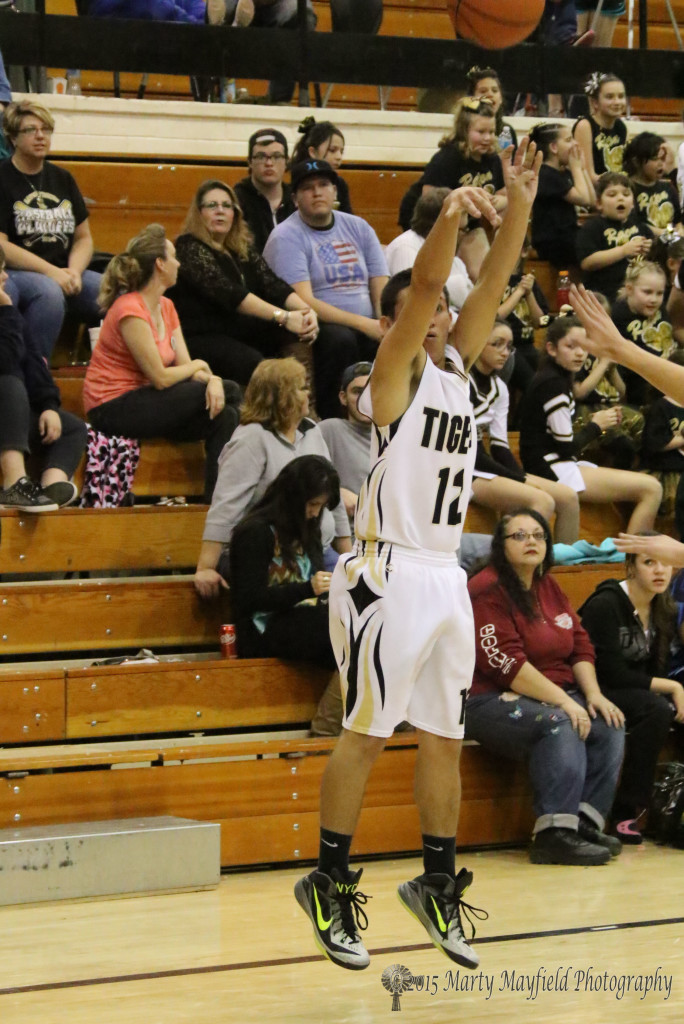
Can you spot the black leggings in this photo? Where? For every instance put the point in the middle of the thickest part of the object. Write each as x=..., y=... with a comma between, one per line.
x=19, y=430
x=177, y=413
x=648, y=717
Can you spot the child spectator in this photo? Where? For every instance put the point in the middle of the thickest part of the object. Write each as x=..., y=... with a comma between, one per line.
x=656, y=202
x=402, y=251
x=599, y=385
x=662, y=447
x=607, y=242
x=668, y=251
x=524, y=308
x=322, y=140
x=499, y=482
x=31, y=421
x=484, y=84
x=564, y=184
x=548, y=447
x=44, y=230
x=603, y=134
x=638, y=315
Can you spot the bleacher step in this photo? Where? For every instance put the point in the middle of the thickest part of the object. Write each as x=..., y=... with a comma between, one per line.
x=125, y=857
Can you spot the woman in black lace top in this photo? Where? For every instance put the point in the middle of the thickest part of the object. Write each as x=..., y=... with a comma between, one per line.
x=233, y=309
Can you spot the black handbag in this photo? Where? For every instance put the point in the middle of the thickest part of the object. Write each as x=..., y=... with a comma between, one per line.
x=666, y=815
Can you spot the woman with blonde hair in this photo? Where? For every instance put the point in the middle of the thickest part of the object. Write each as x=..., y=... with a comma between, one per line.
x=274, y=429
x=141, y=381
x=234, y=310
x=43, y=230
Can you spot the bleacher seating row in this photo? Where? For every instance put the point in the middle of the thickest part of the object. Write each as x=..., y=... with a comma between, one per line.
x=419, y=18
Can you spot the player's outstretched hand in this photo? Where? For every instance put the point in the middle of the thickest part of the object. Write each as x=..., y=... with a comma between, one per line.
x=521, y=170
x=603, y=337
x=661, y=547
x=475, y=201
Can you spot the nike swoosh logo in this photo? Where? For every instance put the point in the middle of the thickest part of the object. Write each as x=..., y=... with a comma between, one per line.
x=437, y=849
x=329, y=844
x=440, y=920
x=320, y=920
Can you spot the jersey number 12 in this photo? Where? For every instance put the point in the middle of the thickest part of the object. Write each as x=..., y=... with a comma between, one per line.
x=453, y=513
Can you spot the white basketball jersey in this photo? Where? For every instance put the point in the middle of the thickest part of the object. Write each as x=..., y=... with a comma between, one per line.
x=417, y=491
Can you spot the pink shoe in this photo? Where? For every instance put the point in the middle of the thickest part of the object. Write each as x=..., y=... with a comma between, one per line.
x=628, y=832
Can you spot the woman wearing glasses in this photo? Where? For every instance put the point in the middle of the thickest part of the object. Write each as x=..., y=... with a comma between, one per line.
x=234, y=310
x=535, y=695
x=44, y=230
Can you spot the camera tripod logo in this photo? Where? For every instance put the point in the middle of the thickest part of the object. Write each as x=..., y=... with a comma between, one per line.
x=397, y=979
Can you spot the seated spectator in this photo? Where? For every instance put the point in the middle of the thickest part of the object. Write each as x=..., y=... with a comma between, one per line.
x=632, y=625
x=524, y=308
x=564, y=184
x=603, y=134
x=638, y=315
x=349, y=439
x=141, y=382
x=550, y=449
x=498, y=481
x=667, y=251
x=274, y=429
x=466, y=157
x=264, y=197
x=656, y=202
x=535, y=695
x=278, y=583
x=322, y=140
x=484, y=84
x=662, y=448
x=402, y=251
x=233, y=309
x=335, y=263
x=44, y=230
x=31, y=421
x=607, y=242
x=264, y=14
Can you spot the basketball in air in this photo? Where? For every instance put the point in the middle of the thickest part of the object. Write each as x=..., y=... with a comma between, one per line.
x=495, y=24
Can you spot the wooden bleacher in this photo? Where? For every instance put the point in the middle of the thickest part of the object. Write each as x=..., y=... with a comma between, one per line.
x=197, y=737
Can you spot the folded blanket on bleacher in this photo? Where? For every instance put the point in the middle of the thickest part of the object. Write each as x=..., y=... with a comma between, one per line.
x=583, y=551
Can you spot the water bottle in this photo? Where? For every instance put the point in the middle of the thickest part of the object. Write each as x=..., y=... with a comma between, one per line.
x=563, y=289
x=73, y=86
x=506, y=137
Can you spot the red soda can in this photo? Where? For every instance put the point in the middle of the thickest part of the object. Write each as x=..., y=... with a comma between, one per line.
x=228, y=641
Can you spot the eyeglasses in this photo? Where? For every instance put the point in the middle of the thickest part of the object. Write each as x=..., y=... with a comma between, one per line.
x=262, y=158
x=215, y=206
x=523, y=535
x=33, y=129
x=502, y=346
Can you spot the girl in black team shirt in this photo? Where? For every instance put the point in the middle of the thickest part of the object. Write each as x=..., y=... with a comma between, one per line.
x=603, y=134
x=638, y=315
x=656, y=202
x=548, y=446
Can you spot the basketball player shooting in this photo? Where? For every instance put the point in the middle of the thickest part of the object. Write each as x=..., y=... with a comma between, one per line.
x=400, y=616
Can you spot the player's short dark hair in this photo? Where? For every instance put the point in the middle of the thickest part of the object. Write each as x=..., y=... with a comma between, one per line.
x=396, y=284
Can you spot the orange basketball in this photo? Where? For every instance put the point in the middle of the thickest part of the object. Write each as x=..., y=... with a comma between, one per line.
x=495, y=24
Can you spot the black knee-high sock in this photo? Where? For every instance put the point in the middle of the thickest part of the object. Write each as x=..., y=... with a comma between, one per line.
x=439, y=855
x=333, y=852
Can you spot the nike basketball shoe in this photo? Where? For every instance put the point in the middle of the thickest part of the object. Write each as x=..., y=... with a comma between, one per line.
x=335, y=908
x=435, y=900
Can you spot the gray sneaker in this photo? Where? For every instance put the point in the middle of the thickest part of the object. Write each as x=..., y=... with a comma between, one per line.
x=63, y=492
x=334, y=908
x=25, y=496
x=435, y=900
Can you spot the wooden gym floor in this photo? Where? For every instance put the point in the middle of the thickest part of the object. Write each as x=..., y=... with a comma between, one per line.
x=244, y=952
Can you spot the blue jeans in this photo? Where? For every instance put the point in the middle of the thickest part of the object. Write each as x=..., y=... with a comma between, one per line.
x=568, y=774
x=42, y=304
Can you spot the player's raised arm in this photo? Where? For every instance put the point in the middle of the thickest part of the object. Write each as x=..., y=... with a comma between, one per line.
x=401, y=357
x=604, y=340
x=476, y=319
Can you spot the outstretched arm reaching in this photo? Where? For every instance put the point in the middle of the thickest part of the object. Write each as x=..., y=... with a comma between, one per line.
x=661, y=547
x=604, y=340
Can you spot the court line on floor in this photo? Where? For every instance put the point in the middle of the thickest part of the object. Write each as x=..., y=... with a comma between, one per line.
x=181, y=972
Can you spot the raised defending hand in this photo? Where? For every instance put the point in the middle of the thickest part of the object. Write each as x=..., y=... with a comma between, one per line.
x=603, y=338
x=521, y=171
x=474, y=201
x=661, y=547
